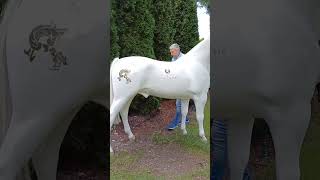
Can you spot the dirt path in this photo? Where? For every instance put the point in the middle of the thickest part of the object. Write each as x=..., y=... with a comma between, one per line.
x=168, y=160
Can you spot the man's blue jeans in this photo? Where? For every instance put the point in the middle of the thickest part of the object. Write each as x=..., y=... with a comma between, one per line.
x=219, y=147
x=178, y=105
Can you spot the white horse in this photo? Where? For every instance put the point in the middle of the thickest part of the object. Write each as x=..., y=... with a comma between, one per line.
x=187, y=78
x=266, y=65
x=53, y=59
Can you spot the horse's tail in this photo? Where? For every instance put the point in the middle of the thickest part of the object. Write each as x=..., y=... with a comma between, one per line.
x=117, y=120
x=5, y=101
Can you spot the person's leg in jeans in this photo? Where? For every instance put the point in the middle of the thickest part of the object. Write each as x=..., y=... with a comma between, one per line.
x=177, y=119
x=220, y=149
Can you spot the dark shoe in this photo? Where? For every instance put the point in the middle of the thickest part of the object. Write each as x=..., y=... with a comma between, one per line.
x=187, y=120
x=174, y=122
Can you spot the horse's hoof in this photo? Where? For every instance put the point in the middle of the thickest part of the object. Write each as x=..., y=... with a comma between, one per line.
x=204, y=139
x=184, y=132
x=132, y=138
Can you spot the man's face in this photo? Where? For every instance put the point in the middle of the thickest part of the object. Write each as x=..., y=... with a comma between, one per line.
x=174, y=52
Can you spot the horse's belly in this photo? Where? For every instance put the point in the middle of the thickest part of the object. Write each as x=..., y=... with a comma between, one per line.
x=171, y=89
x=166, y=94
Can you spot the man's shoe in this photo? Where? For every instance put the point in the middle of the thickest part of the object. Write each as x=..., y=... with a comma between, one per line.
x=187, y=120
x=174, y=122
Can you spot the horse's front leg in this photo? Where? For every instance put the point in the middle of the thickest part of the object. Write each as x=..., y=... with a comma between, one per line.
x=288, y=126
x=184, y=112
x=200, y=102
x=239, y=130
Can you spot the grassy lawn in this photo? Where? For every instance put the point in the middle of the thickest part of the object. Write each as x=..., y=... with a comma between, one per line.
x=123, y=165
x=191, y=141
x=310, y=154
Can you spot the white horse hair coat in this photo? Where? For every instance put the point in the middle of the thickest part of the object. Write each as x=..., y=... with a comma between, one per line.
x=186, y=78
x=266, y=64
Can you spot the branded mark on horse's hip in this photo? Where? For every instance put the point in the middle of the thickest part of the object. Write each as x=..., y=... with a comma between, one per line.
x=44, y=37
x=168, y=75
x=123, y=73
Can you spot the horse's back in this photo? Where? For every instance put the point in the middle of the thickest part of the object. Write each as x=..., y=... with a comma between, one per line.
x=261, y=58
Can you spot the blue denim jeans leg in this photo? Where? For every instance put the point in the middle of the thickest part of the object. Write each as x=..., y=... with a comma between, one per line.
x=220, y=148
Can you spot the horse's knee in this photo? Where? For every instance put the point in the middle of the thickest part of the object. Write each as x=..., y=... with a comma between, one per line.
x=200, y=117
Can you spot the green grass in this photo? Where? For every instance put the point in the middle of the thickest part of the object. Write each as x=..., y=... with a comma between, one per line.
x=122, y=167
x=191, y=141
x=123, y=164
x=310, y=153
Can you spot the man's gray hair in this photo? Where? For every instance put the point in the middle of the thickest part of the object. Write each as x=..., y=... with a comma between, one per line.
x=174, y=46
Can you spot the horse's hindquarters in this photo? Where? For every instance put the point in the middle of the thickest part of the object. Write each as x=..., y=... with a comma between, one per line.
x=58, y=51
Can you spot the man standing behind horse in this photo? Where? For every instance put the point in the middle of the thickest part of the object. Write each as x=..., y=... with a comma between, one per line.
x=176, y=54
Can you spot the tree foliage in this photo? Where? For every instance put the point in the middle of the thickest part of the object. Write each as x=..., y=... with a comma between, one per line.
x=115, y=48
x=205, y=4
x=186, y=24
x=135, y=28
x=148, y=27
x=163, y=12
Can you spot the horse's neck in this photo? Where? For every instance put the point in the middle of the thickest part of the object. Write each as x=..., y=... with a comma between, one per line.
x=200, y=54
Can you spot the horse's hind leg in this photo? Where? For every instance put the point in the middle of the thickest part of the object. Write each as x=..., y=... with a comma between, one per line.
x=46, y=158
x=239, y=139
x=200, y=103
x=23, y=137
x=184, y=112
x=288, y=129
x=116, y=106
x=124, y=116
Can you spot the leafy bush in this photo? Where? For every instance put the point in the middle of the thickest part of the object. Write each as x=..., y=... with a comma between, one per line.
x=144, y=105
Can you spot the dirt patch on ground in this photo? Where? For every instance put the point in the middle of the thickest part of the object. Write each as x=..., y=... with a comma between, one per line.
x=170, y=160
x=167, y=160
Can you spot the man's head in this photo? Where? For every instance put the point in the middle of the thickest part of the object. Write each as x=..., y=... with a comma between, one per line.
x=174, y=50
